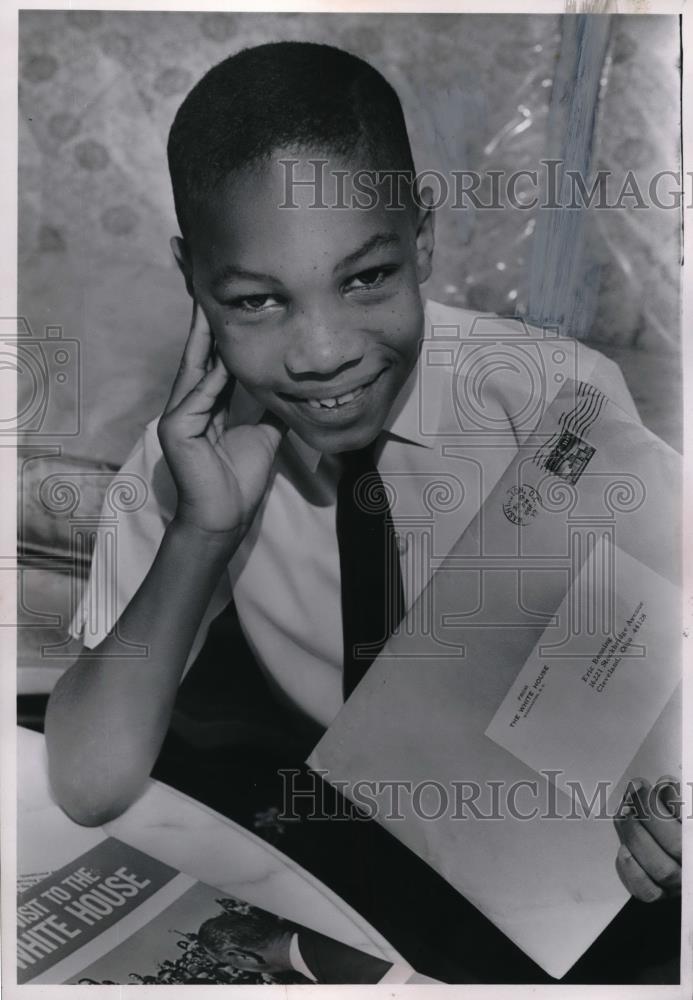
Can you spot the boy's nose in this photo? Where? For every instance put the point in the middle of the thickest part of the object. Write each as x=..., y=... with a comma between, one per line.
x=319, y=347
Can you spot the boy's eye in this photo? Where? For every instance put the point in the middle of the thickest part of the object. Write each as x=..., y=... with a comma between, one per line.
x=254, y=303
x=374, y=277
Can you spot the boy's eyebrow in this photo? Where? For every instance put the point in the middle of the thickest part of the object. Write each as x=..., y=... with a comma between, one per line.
x=228, y=272
x=376, y=242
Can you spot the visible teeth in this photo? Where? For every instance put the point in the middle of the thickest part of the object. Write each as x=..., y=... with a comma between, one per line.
x=331, y=402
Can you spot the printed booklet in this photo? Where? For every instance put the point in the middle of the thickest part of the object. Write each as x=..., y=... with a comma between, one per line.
x=115, y=915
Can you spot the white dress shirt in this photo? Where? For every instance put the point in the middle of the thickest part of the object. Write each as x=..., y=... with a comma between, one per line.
x=481, y=383
x=296, y=958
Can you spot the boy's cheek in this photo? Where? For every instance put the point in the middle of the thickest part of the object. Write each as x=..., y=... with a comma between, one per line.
x=250, y=368
x=242, y=356
x=230, y=343
x=404, y=325
x=265, y=399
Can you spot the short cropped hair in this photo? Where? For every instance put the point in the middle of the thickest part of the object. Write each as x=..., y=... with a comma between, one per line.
x=292, y=95
x=250, y=931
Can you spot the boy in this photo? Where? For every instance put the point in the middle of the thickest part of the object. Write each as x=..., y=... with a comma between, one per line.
x=302, y=378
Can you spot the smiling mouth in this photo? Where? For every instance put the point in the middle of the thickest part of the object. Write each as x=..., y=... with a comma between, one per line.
x=334, y=402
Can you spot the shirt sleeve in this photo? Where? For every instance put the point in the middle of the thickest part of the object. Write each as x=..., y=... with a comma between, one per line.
x=139, y=503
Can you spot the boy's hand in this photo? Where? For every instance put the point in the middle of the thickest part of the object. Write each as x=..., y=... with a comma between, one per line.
x=220, y=477
x=649, y=828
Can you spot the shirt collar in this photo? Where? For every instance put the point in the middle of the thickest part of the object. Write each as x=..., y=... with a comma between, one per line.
x=405, y=420
x=297, y=960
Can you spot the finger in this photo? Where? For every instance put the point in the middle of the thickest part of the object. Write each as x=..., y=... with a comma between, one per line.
x=194, y=412
x=635, y=879
x=670, y=798
x=223, y=402
x=661, y=868
x=656, y=818
x=195, y=360
x=271, y=426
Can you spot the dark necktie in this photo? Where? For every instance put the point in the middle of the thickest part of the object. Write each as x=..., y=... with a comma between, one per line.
x=372, y=592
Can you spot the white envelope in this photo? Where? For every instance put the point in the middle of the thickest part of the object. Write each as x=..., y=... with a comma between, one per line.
x=516, y=592
x=603, y=686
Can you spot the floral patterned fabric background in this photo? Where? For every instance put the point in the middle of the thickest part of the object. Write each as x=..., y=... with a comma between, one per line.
x=97, y=94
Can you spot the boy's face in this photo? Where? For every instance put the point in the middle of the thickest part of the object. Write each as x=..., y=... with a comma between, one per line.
x=237, y=958
x=317, y=312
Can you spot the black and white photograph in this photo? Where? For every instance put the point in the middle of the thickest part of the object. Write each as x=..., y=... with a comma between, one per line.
x=342, y=361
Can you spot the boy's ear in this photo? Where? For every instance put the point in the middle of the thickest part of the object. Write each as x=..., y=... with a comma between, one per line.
x=425, y=236
x=179, y=249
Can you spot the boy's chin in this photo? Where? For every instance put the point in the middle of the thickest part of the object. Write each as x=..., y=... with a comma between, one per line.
x=334, y=442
